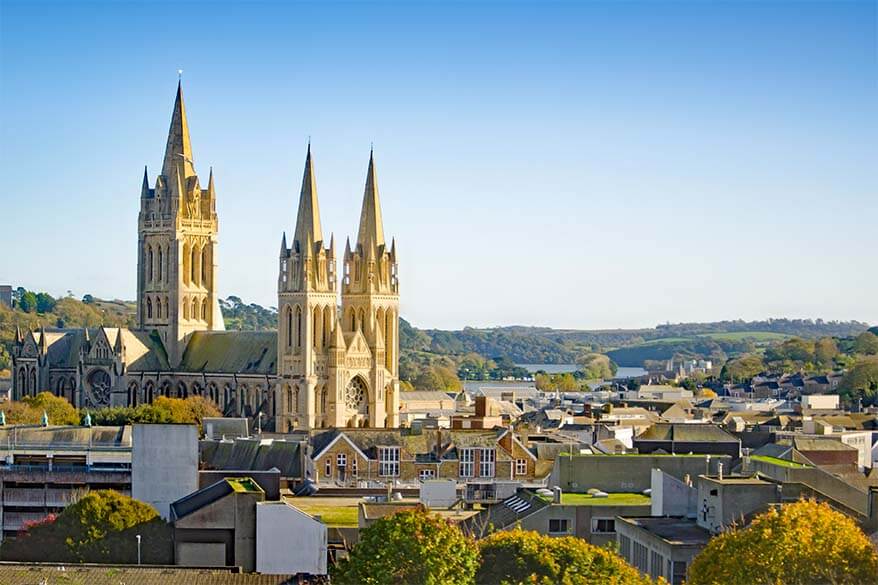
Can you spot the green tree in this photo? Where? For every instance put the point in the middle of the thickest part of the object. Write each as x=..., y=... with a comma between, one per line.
x=861, y=381
x=801, y=544
x=543, y=382
x=30, y=409
x=825, y=351
x=409, y=547
x=100, y=527
x=742, y=368
x=45, y=303
x=566, y=382
x=5, y=358
x=866, y=343
x=27, y=302
x=519, y=556
x=596, y=366
x=59, y=410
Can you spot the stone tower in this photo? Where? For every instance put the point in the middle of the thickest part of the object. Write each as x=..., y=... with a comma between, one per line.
x=307, y=304
x=370, y=308
x=177, y=246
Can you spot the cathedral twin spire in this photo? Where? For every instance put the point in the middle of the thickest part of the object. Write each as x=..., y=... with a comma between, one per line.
x=308, y=236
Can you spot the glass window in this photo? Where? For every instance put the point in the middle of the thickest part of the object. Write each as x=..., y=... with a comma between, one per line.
x=341, y=460
x=467, y=462
x=521, y=467
x=328, y=467
x=486, y=462
x=426, y=474
x=388, y=461
x=557, y=525
x=603, y=525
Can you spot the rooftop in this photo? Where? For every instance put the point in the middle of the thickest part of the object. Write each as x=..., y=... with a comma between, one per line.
x=679, y=531
x=614, y=499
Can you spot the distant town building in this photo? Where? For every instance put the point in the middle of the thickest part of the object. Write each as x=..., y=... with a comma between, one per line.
x=6, y=295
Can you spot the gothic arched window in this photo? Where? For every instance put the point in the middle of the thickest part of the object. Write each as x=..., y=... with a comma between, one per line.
x=356, y=396
x=298, y=327
x=205, y=260
x=148, y=308
x=161, y=270
x=289, y=325
x=149, y=264
x=204, y=310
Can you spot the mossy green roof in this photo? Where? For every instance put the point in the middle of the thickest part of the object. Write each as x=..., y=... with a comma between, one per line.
x=241, y=352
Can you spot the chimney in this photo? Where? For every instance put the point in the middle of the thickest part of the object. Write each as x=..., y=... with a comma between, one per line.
x=556, y=495
x=481, y=405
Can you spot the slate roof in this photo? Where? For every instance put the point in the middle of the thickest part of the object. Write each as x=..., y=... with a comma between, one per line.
x=369, y=440
x=54, y=574
x=57, y=437
x=252, y=455
x=207, y=495
x=144, y=351
x=686, y=432
x=242, y=352
x=809, y=444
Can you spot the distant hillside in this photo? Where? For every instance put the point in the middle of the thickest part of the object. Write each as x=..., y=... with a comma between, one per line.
x=534, y=345
x=541, y=345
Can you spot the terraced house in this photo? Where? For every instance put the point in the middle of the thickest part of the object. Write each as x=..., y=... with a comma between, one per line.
x=328, y=365
x=347, y=456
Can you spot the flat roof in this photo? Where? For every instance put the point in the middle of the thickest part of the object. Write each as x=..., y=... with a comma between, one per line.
x=737, y=480
x=679, y=531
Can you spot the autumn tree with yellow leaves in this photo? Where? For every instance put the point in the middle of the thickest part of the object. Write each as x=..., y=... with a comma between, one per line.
x=803, y=543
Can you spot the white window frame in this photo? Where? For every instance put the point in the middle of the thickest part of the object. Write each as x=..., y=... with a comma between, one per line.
x=467, y=462
x=354, y=465
x=425, y=474
x=388, y=461
x=328, y=468
x=488, y=462
x=341, y=460
x=521, y=467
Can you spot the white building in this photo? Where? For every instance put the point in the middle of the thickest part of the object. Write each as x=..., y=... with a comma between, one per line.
x=289, y=541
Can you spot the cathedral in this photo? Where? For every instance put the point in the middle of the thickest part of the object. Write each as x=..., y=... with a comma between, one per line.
x=327, y=365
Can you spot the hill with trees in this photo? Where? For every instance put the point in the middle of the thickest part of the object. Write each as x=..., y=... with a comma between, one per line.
x=436, y=359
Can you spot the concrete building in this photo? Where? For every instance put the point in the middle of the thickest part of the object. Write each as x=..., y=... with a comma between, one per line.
x=626, y=473
x=6, y=295
x=45, y=469
x=707, y=439
x=289, y=541
x=660, y=547
x=165, y=464
x=216, y=526
x=820, y=402
x=727, y=500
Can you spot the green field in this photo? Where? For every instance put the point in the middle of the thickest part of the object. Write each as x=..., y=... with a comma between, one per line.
x=743, y=335
x=779, y=462
x=620, y=499
x=335, y=512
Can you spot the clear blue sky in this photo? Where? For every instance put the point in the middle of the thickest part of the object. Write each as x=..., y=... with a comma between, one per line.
x=588, y=165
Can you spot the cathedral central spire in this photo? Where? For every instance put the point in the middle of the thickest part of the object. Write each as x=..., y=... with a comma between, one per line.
x=178, y=152
x=371, y=233
x=308, y=231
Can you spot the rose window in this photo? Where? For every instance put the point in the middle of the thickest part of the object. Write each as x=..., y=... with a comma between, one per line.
x=355, y=394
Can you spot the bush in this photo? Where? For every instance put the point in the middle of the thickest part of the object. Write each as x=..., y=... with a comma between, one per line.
x=519, y=556
x=409, y=547
x=800, y=544
x=99, y=528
